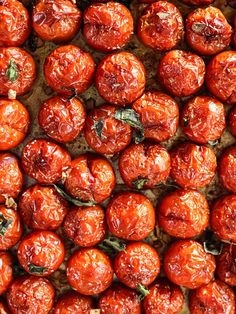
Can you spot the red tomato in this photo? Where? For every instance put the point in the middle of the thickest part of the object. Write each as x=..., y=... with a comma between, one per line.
x=68, y=70
x=226, y=265
x=93, y=269
x=221, y=76
x=62, y=119
x=192, y=166
x=181, y=73
x=3, y=308
x=130, y=216
x=198, y=2
x=56, y=20
x=232, y=121
x=5, y=271
x=234, y=33
x=203, y=119
x=107, y=26
x=120, y=78
x=227, y=169
x=44, y=161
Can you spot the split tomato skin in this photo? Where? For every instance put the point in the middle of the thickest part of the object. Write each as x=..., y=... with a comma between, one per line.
x=227, y=164
x=6, y=272
x=226, y=265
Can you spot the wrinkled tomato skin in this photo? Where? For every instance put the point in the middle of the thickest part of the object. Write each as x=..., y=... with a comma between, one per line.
x=232, y=121
x=181, y=73
x=203, y=119
x=69, y=69
x=45, y=161
x=42, y=249
x=120, y=78
x=234, y=33
x=144, y=161
x=6, y=272
x=226, y=265
x=130, y=216
x=62, y=119
x=30, y=295
x=4, y=308
x=93, y=268
x=221, y=76
x=197, y=2
x=107, y=26
x=192, y=166
x=187, y=264
x=161, y=26
x=227, y=169
x=183, y=213
x=56, y=20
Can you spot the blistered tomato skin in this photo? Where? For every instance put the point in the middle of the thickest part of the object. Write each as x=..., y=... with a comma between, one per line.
x=192, y=166
x=107, y=26
x=203, y=119
x=227, y=166
x=226, y=265
x=120, y=78
x=73, y=302
x=6, y=272
x=161, y=26
x=89, y=271
x=181, y=73
x=130, y=216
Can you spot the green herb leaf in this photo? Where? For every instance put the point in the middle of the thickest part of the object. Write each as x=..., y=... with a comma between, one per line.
x=139, y=183
x=143, y=291
x=213, y=143
x=130, y=117
x=70, y=199
x=211, y=244
x=4, y=224
x=34, y=269
x=185, y=121
x=138, y=136
x=198, y=27
x=111, y=245
x=12, y=72
x=98, y=126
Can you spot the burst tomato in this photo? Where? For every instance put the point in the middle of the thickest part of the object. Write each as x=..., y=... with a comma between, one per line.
x=226, y=265
x=6, y=272
x=227, y=169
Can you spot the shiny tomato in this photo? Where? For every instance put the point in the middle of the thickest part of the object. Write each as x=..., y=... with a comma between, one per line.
x=232, y=121
x=6, y=272
x=107, y=26
x=120, y=78
x=181, y=73
x=4, y=308
x=226, y=265
x=234, y=33
x=93, y=268
x=198, y=2
x=227, y=169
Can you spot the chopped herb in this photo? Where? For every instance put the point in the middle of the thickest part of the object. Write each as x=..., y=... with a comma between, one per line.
x=198, y=27
x=12, y=72
x=211, y=244
x=213, y=143
x=70, y=199
x=143, y=291
x=130, y=117
x=98, y=126
x=34, y=269
x=139, y=183
x=185, y=121
x=4, y=224
x=138, y=136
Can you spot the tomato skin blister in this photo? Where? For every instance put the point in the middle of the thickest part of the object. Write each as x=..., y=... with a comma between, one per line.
x=73, y=302
x=226, y=265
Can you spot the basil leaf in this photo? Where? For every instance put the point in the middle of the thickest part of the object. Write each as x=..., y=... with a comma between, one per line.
x=70, y=199
x=34, y=269
x=130, y=117
x=12, y=72
x=143, y=291
x=98, y=126
x=139, y=183
x=4, y=224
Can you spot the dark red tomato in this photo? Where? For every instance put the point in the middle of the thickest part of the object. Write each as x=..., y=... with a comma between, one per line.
x=181, y=73
x=144, y=165
x=3, y=308
x=62, y=119
x=198, y=2
x=192, y=166
x=234, y=33
x=45, y=161
x=215, y=297
x=130, y=216
x=68, y=70
x=227, y=169
x=221, y=76
x=31, y=295
x=138, y=264
x=90, y=178
x=226, y=265
x=107, y=26
x=56, y=20
x=93, y=268
x=41, y=253
x=41, y=207
x=187, y=264
x=232, y=121
x=163, y=297
x=183, y=213
x=120, y=78
x=5, y=271
x=203, y=119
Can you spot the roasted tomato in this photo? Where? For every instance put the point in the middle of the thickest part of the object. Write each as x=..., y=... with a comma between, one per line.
x=56, y=20
x=183, y=213
x=69, y=70
x=30, y=295
x=227, y=169
x=44, y=161
x=41, y=207
x=90, y=178
x=138, y=264
x=93, y=268
x=181, y=73
x=187, y=264
x=163, y=297
x=198, y=2
x=192, y=166
x=4, y=308
x=120, y=78
x=130, y=216
x=107, y=26
x=85, y=226
x=40, y=253
x=203, y=119
x=159, y=114
x=232, y=121
x=6, y=272
x=215, y=297
x=62, y=119
x=226, y=265
x=234, y=33
x=161, y=26
x=221, y=76
x=144, y=165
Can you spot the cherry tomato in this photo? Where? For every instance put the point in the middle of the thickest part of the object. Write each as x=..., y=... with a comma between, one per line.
x=192, y=166
x=227, y=169
x=120, y=78
x=6, y=273
x=4, y=308
x=203, y=119
x=181, y=73
x=107, y=26
x=44, y=161
x=69, y=70
x=130, y=216
x=198, y=2
x=232, y=121
x=221, y=76
x=93, y=269
x=234, y=33
x=226, y=265
x=56, y=20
